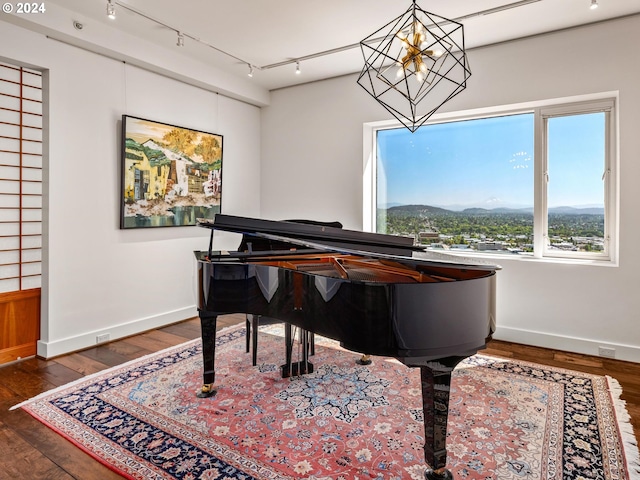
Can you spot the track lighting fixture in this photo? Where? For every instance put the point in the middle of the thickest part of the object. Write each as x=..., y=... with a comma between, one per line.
x=111, y=10
x=594, y=4
x=438, y=59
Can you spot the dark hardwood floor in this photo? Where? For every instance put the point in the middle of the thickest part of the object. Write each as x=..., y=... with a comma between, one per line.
x=29, y=450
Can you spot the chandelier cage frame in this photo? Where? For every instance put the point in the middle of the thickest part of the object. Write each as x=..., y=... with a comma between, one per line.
x=415, y=64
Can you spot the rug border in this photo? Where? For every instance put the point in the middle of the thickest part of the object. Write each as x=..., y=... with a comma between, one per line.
x=625, y=428
x=84, y=449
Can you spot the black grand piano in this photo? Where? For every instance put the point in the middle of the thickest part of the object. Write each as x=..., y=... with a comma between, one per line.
x=376, y=294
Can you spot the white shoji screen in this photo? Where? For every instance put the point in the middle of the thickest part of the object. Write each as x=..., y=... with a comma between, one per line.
x=20, y=178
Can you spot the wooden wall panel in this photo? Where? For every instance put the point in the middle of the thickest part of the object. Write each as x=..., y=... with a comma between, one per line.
x=19, y=324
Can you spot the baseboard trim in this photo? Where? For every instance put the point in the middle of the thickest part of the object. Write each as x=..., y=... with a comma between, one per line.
x=49, y=350
x=569, y=344
x=63, y=346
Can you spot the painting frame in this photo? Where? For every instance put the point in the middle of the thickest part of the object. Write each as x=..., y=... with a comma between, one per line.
x=170, y=175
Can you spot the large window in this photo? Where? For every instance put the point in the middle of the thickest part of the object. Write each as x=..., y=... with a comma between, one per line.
x=535, y=182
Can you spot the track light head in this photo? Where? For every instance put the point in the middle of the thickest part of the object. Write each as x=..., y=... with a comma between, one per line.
x=180, y=41
x=250, y=74
x=111, y=10
x=298, y=68
x=594, y=4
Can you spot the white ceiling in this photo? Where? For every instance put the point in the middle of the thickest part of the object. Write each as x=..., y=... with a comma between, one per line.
x=265, y=32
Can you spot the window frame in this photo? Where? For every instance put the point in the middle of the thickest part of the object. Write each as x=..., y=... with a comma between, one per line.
x=606, y=102
x=543, y=115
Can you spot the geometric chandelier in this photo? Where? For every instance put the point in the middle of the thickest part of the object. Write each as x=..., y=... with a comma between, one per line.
x=414, y=64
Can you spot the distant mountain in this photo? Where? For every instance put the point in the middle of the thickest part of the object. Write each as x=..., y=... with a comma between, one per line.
x=477, y=211
x=491, y=203
x=577, y=210
x=418, y=209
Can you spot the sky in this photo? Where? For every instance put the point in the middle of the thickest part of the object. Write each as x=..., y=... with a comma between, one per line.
x=490, y=163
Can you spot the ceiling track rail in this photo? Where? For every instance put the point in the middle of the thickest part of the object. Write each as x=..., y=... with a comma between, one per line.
x=291, y=61
x=332, y=51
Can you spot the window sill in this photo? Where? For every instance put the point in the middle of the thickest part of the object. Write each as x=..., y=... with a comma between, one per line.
x=512, y=257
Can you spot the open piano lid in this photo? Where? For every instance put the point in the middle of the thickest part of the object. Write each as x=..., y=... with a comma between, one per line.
x=338, y=240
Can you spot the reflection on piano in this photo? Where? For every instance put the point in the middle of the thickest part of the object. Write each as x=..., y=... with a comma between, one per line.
x=376, y=294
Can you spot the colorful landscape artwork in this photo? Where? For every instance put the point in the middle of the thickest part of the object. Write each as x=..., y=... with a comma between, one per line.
x=171, y=175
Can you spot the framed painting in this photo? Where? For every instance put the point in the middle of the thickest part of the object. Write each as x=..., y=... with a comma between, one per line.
x=170, y=175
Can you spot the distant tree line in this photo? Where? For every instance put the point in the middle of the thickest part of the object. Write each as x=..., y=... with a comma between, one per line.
x=515, y=228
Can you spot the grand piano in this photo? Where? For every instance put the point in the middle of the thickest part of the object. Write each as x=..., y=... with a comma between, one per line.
x=376, y=294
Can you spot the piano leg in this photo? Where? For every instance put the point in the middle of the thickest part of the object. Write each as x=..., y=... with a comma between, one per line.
x=436, y=384
x=247, y=326
x=288, y=348
x=208, y=327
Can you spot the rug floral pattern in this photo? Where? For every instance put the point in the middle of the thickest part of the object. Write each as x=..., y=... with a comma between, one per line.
x=508, y=420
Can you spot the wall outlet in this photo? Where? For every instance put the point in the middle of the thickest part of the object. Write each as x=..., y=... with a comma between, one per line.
x=607, y=352
x=103, y=338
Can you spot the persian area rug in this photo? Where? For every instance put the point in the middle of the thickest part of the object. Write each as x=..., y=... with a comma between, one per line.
x=508, y=419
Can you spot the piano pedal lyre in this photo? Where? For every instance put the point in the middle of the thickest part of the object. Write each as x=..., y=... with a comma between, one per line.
x=207, y=391
x=293, y=369
x=364, y=360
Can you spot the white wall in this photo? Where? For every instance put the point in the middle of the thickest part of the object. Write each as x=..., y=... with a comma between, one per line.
x=312, y=167
x=97, y=278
